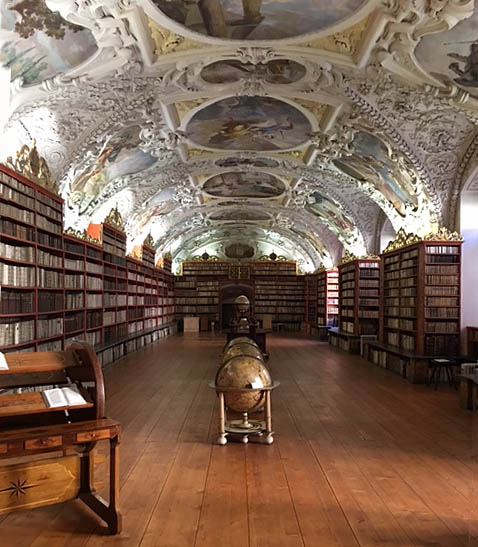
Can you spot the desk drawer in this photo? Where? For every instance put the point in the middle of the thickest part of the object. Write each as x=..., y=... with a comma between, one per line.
x=93, y=435
x=44, y=442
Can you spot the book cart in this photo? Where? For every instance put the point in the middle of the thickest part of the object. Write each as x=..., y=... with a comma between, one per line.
x=420, y=311
x=59, y=287
x=358, y=303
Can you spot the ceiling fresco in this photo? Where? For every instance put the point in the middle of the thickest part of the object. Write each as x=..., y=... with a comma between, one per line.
x=302, y=128
x=249, y=123
x=244, y=185
x=36, y=43
x=257, y=19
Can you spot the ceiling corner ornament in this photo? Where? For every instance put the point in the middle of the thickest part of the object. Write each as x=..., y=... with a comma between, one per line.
x=31, y=165
x=316, y=109
x=115, y=219
x=183, y=107
x=83, y=236
x=334, y=145
x=348, y=257
x=255, y=55
x=167, y=41
x=149, y=242
x=345, y=42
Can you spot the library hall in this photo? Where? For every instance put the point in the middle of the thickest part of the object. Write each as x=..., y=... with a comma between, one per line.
x=239, y=273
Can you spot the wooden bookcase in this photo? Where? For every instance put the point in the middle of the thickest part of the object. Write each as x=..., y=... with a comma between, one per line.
x=279, y=292
x=420, y=311
x=328, y=298
x=359, y=282
x=359, y=297
x=472, y=342
x=56, y=288
x=311, y=299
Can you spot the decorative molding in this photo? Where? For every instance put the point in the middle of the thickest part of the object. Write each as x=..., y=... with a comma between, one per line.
x=149, y=242
x=402, y=239
x=315, y=108
x=348, y=257
x=83, y=236
x=34, y=167
x=115, y=219
x=167, y=41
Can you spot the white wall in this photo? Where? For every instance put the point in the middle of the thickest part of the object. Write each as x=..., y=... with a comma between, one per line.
x=469, y=230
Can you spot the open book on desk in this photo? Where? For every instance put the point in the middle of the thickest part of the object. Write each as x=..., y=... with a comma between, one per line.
x=63, y=396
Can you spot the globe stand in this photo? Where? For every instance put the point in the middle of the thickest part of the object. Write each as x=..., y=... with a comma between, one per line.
x=245, y=427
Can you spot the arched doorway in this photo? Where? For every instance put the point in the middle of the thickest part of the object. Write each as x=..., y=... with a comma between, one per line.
x=227, y=295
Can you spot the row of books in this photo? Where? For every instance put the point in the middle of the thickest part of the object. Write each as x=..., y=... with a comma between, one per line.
x=18, y=185
x=16, y=230
x=74, y=300
x=10, y=194
x=17, y=252
x=49, y=278
x=15, y=302
x=16, y=332
x=74, y=322
x=45, y=224
x=18, y=276
x=49, y=259
x=50, y=301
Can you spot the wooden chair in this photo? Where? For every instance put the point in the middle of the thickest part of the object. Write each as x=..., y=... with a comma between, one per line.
x=28, y=427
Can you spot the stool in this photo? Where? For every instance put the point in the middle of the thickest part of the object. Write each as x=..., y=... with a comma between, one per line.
x=437, y=365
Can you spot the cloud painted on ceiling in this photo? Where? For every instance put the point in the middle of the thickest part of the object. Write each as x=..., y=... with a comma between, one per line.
x=37, y=43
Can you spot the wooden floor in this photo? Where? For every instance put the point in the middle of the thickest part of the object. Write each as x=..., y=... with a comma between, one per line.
x=360, y=458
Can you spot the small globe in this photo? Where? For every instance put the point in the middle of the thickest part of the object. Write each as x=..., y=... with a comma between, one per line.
x=241, y=340
x=243, y=372
x=242, y=349
x=242, y=303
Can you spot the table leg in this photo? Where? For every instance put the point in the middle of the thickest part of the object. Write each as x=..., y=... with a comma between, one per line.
x=268, y=417
x=222, y=419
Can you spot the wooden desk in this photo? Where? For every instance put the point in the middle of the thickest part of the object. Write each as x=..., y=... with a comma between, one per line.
x=29, y=427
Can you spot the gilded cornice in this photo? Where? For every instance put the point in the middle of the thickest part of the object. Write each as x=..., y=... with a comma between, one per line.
x=34, y=167
x=149, y=242
x=115, y=219
x=402, y=239
x=83, y=236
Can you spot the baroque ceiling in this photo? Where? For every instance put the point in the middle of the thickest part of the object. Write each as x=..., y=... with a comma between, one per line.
x=295, y=127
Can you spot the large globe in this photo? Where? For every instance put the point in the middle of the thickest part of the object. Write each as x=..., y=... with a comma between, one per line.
x=241, y=340
x=243, y=372
x=242, y=303
x=242, y=349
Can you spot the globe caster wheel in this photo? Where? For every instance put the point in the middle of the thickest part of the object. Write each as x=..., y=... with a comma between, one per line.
x=269, y=439
x=245, y=439
x=221, y=440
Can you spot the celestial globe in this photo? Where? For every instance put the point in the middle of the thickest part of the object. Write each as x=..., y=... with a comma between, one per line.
x=242, y=303
x=243, y=373
x=241, y=340
x=242, y=349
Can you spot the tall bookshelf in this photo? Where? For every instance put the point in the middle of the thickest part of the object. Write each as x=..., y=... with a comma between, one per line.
x=56, y=288
x=359, y=297
x=280, y=293
x=420, y=312
x=31, y=265
x=328, y=298
x=421, y=298
x=311, y=299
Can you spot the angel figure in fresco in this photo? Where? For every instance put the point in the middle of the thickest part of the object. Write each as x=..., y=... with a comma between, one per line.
x=468, y=76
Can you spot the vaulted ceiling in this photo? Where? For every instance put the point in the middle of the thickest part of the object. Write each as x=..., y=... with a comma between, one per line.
x=300, y=127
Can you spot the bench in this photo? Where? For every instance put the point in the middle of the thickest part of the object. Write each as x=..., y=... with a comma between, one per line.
x=65, y=435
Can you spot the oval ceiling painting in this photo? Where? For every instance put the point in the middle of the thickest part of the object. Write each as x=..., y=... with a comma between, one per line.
x=258, y=19
x=244, y=185
x=238, y=162
x=240, y=215
x=281, y=71
x=249, y=123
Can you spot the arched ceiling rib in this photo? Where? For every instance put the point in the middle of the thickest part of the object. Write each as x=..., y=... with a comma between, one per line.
x=196, y=127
